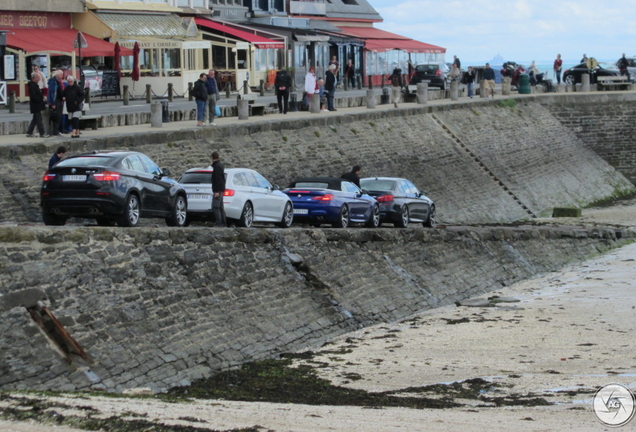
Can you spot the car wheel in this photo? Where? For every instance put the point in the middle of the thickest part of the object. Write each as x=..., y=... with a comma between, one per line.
x=178, y=213
x=132, y=210
x=247, y=216
x=288, y=216
x=53, y=220
x=105, y=221
x=374, y=220
x=404, y=217
x=569, y=80
x=431, y=221
x=343, y=218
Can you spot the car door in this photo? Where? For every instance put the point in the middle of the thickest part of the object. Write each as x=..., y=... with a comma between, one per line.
x=159, y=186
x=358, y=206
x=417, y=208
x=141, y=180
x=270, y=204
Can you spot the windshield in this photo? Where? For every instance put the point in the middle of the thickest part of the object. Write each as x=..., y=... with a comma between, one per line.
x=85, y=161
x=377, y=185
x=201, y=177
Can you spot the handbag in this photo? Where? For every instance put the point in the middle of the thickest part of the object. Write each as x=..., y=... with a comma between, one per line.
x=217, y=111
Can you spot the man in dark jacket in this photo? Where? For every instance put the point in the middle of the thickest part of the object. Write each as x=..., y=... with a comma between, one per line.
x=200, y=93
x=330, y=86
x=353, y=176
x=218, y=190
x=488, y=75
x=54, y=99
x=282, y=84
x=622, y=64
x=213, y=92
x=36, y=105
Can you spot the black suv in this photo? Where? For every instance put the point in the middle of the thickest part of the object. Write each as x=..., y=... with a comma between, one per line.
x=111, y=187
x=435, y=73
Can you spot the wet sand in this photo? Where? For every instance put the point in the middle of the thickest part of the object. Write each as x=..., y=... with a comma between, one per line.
x=570, y=333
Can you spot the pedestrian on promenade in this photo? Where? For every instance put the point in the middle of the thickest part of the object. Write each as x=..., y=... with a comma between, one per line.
x=73, y=96
x=218, y=190
x=350, y=74
x=282, y=83
x=310, y=87
x=37, y=103
x=455, y=73
x=213, y=94
x=330, y=86
x=457, y=62
x=334, y=61
x=200, y=93
x=488, y=76
x=469, y=80
x=42, y=83
x=321, y=92
x=55, y=101
x=354, y=175
x=622, y=64
x=558, y=64
x=396, y=86
x=57, y=156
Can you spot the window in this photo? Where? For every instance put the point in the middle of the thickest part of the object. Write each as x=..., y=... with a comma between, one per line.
x=151, y=167
x=133, y=163
x=261, y=182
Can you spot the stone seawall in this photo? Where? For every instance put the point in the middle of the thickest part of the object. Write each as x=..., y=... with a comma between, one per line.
x=159, y=307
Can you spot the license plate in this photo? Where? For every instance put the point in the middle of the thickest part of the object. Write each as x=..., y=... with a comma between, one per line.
x=198, y=197
x=74, y=178
x=301, y=211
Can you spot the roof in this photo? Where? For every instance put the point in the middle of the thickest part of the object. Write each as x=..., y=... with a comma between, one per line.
x=60, y=40
x=160, y=25
x=381, y=40
x=259, y=41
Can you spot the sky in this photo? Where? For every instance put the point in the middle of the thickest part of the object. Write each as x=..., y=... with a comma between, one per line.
x=517, y=30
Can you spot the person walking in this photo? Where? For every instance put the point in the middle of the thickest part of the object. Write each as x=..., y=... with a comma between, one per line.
x=37, y=103
x=213, y=93
x=218, y=190
x=282, y=83
x=73, y=97
x=558, y=65
x=622, y=64
x=353, y=176
x=321, y=92
x=396, y=86
x=310, y=87
x=42, y=83
x=330, y=86
x=457, y=62
x=56, y=104
x=57, y=156
x=488, y=75
x=469, y=80
x=200, y=93
x=350, y=74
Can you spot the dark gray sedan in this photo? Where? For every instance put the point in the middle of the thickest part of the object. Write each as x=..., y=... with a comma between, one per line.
x=400, y=201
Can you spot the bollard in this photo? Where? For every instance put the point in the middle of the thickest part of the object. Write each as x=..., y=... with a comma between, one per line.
x=482, y=89
x=384, y=98
x=243, y=108
x=370, y=82
x=505, y=86
x=190, y=88
x=585, y=82
x=261, y=88
x=454, y=90
x=422, y=93
x=359, y=81
x=148, y=93
x=126, y=95
x=314, y=104
x=155, y=114
x=228, y=89
x=245, y=87
x=12, y=101
x=370, y=99
x=293, y=102
x=170, y=98
x=165, y=111
x=345, y=83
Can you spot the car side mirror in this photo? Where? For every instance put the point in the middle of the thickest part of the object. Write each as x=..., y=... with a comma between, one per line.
x=365, y=192
x=165, y=172
x=275, y=187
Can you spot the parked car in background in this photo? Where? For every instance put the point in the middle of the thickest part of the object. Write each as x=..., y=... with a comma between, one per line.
x=332, y=200
x=435, y=73
x=400, y=201
x=248, y=198
x=572, y=75
x=111, y=187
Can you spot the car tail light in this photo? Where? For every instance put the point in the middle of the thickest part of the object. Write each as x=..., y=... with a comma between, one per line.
x=48, y=176
x=438, y=72
x=229, y=192
x=107, y=176
x=325, y=197
x=385, y=198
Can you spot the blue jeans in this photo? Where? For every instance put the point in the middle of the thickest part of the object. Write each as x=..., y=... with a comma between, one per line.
x=469, y=86
x=200, y=109
x=330, y=101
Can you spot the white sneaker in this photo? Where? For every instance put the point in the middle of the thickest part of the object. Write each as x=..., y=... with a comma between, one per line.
x=212, y=124
x=325, y=110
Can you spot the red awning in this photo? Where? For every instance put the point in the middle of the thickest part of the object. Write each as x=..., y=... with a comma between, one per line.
x=59, y=40
x=380, y=40
x=259, y=41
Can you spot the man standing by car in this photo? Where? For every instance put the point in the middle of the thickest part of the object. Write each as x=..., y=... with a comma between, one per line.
x=353, y=176
x=622, y=64
x=218, y=190
x=213, y=91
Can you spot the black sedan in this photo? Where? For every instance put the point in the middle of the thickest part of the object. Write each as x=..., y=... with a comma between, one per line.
x=400, y=201
x=572, y=75
x=111, y=187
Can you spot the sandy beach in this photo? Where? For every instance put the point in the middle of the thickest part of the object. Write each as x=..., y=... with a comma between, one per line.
x=557, y=338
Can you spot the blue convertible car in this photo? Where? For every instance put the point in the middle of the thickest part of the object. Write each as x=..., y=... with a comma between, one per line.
x=332, y=200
